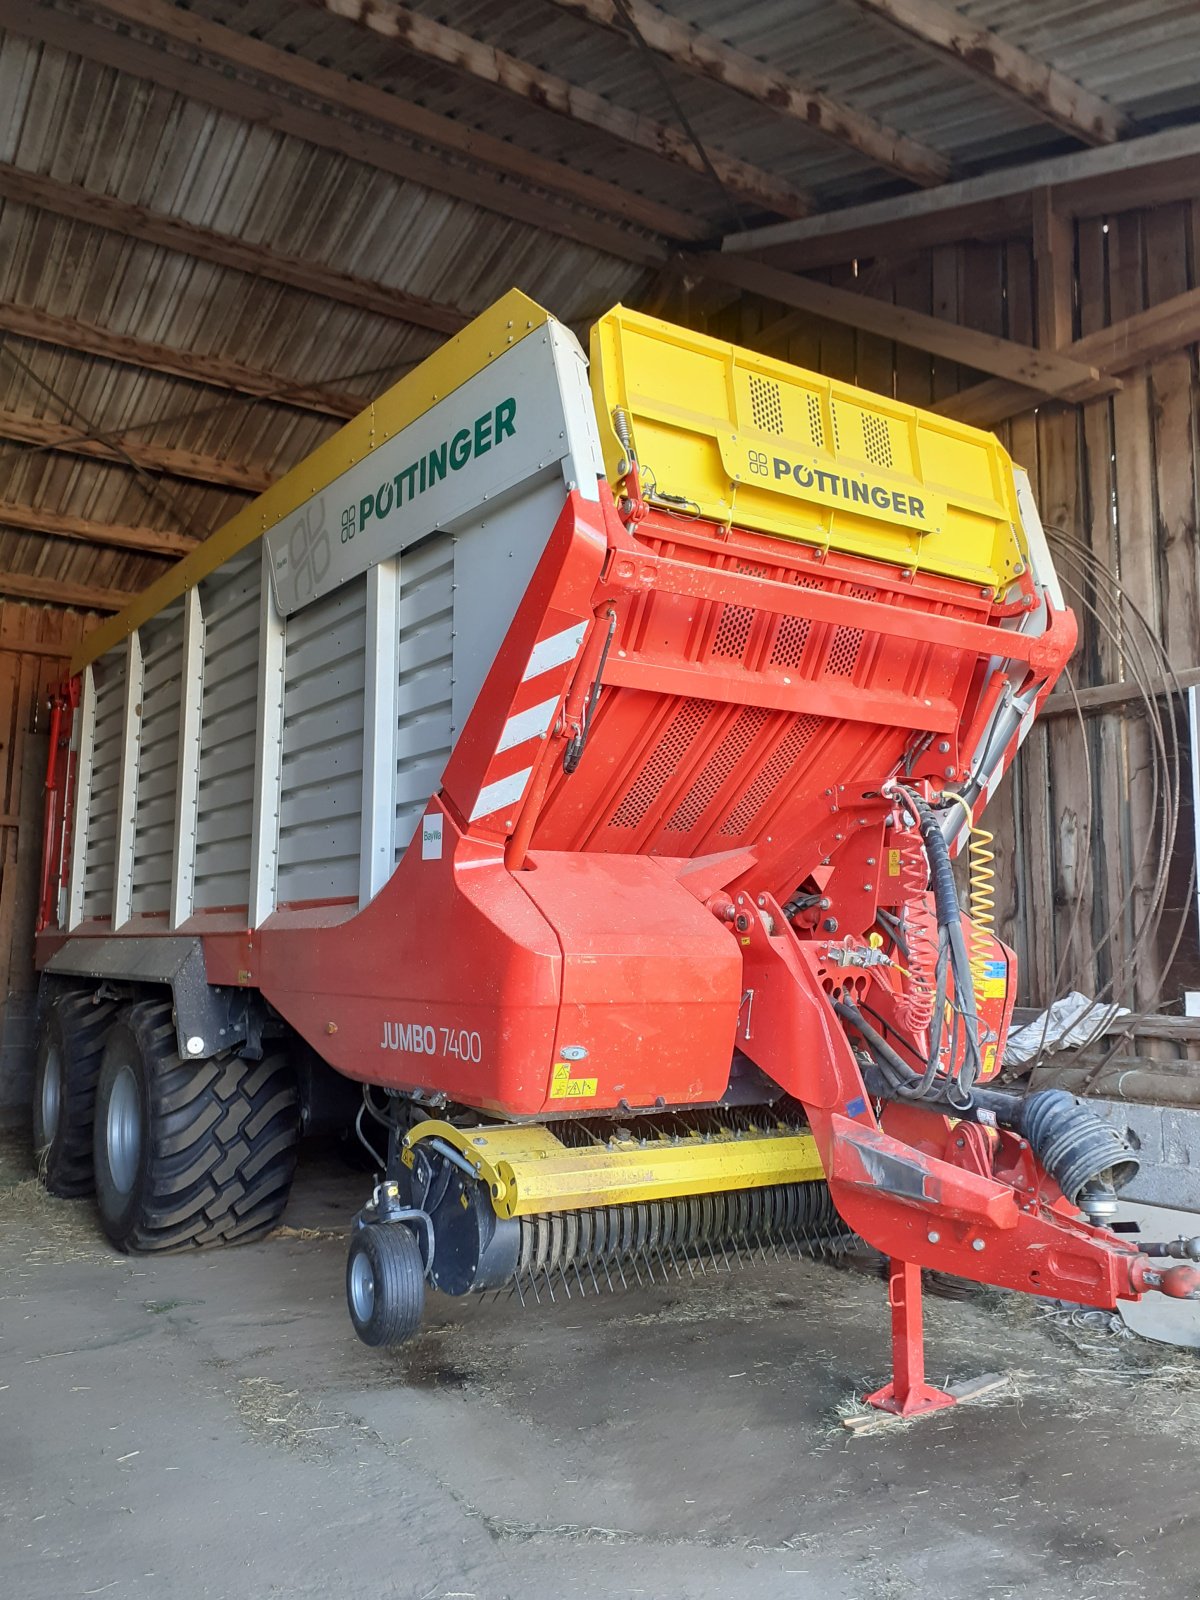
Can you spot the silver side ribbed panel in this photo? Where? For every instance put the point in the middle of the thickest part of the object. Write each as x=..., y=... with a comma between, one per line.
x=100, y=854
x=424, y=724
x=261, y=745
x=154, y=818
x=230, y=599
x=320, y=811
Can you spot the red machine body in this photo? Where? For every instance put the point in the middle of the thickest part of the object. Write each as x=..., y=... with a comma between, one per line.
x=599, y=917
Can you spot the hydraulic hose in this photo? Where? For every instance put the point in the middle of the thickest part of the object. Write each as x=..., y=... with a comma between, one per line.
x=895, y=1070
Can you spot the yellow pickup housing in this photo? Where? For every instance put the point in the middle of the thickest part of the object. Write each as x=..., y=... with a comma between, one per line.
x=734, y=437
x=528, y=1170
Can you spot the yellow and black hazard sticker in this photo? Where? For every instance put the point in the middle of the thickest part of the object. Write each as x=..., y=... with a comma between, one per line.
x=564, y=1087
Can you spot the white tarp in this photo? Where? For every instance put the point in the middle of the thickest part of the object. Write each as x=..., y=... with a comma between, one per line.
x=1071, y=1021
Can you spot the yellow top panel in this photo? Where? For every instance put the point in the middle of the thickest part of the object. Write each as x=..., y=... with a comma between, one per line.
x=491, y=333
x=739, y=438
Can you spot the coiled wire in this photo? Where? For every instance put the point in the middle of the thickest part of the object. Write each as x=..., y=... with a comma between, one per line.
x=1096, y=591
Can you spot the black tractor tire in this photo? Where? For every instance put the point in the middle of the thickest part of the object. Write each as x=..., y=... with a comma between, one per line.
x=189, y=1153
x=70, y=1047
x=385, y=1283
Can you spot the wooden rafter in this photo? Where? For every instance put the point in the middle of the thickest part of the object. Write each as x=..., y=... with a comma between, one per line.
x=434, y=41
x=296, y=96
x=112, y=535
x=1049, y=371
x=1132, y=342
x=68, y=333
x=53, y=591
x=1038, y=86
x=707, y=57
x=60, y=436
x=203, y=244
x=1087, y=183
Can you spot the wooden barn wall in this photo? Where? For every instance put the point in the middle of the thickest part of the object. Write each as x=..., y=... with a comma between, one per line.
x=1121, y=474
x=35, y=647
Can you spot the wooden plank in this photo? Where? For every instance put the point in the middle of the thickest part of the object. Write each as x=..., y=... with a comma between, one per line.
x=1007, y=810
x=128, y=35
x=1139, y=579
x=205, y=244
x=1058, y=818
x=484, y=63
x=1047, y=371
x=1086, y=183
x=1000, y=65
x=865, y=1423
x=945, y=263
x=49, y=434
x=88, y=597
x=69, y=333
x=1106, y=696
x=913, y=292
x=1173, y=423
x=14, y=693
x=18, y=956
x=838, y=349
x=704, y=56
x=1107, y=746
x=60, y=525
x=1054, y=271
x=1019, y=293
x=35, y=647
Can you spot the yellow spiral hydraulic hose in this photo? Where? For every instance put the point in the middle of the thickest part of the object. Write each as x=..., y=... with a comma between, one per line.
x=981, y=890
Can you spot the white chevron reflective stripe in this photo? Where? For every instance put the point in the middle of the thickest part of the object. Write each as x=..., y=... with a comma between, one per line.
x=554, y=651
x=531, y=724
x=504, y=792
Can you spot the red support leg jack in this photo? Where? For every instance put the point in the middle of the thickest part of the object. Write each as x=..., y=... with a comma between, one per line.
x=908, y=1394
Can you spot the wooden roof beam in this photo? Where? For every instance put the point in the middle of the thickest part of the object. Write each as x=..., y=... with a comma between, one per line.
x=1135, y=340
x=1036, y=85
x=296, y=96
x=60, y=436
x=704, y=56
x=108, y=535
x=220, y=249
x=68, y=333
x=1086, y=183
x=1051, y=372
x=434, y=41
x=53, y=591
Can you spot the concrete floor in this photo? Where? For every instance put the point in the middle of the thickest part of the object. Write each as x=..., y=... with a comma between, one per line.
x=208, y=1426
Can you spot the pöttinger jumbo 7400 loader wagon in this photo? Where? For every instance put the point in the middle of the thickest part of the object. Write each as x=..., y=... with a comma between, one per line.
x=578, y=765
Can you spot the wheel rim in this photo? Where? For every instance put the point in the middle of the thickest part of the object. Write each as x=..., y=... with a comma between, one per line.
x=123, y=1130
x=51, y=1100
x=362, y=1287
